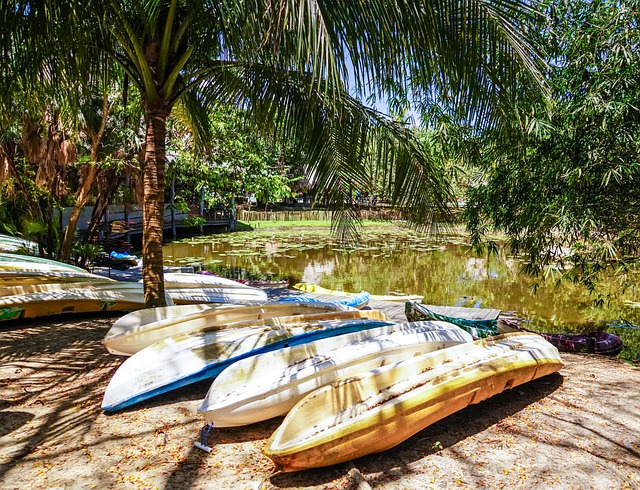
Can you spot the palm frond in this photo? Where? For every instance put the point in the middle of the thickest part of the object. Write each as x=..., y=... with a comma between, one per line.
x=338, y=138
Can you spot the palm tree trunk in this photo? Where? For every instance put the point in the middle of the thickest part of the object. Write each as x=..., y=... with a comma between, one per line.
x=153, y=207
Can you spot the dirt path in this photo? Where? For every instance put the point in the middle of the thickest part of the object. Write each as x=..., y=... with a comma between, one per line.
x=579, y=428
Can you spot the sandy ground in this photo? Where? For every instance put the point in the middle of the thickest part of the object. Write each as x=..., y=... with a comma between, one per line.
x=579, y=428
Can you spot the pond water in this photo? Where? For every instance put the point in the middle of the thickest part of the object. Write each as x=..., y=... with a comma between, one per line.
x=445, y=271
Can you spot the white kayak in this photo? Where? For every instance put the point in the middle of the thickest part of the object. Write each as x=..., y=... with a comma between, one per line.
x=196, y=295
x=11, y=261
x=141, y=318
x=187, y=358
x=140, y=329
x=269, y=385
x=193, y=280
x=10, y=243
x=377, y=410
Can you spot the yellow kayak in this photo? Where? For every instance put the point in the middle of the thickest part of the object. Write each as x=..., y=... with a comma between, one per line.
x=56, y=299
x=379, y=409
x=315, y=288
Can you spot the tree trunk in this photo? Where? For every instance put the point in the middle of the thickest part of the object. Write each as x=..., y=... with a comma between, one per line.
x=81, y=199
x=153, y=207
x=82, y=195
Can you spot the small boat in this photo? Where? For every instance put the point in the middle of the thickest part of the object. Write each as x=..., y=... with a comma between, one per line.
x=359, y=300
x=190, y=288
x=38, y=288
x=315, y=288
x=187, y=358
x=479, y=329
x=69, y=299
x=603, y=343
x=190, y=296
x=11, y=261
x=267, y=284
x=10, y=243
x=26, y=278
x=378, y=410
x=137, y=330
x=195, y=280
x=268, y=385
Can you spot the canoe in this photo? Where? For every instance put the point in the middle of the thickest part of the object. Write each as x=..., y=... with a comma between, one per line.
x=10, y=243
x=268, y=385
x=479, y=329
x=380, y=409
x=36, y=288
x=86, y=299
x=359, y=300
x=124, y=338
x=25, y=278
x=190, y=296
x=315, y=288
x=9, y=260
x=141, y=318
x=193, y=280
x=187, y=358
x=603, y=343
x=189, y=288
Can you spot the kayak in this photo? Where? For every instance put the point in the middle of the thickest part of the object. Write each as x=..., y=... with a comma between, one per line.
x=269, y=385
x=378, y=410
x=315, y=288
x=187, y=358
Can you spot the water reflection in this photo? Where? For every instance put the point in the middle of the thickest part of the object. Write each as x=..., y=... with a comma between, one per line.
x=445, y=272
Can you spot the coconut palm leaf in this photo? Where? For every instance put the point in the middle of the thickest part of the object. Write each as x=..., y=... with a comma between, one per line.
x=288, y=63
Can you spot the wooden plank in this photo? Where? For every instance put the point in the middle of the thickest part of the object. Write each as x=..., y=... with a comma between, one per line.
x=467, y=313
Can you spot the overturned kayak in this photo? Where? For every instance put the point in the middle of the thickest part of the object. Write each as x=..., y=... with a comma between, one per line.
x=479, y=329
x=56, y=299
x=138, y=330
x=12, y=244
x=377, y=410
x=187, y=358
x=194, y=280
x=18, y=277
x=315, y=288
x=603, y=343
x=359, y=300
x=197, y=295
x=270, y=384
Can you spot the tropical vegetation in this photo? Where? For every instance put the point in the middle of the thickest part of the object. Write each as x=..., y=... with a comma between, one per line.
x=566, y=193
x=286, y=65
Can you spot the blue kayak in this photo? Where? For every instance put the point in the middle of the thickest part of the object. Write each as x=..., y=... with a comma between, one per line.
x=359, y=300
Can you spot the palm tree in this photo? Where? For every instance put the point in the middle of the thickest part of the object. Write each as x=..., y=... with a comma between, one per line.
x=286, y=63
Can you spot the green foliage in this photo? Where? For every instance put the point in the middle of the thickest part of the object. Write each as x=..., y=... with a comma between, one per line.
x=193, y=221
x=567, y=192
x=237, y=160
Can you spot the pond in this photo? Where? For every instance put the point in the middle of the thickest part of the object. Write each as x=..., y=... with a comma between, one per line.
x=393, y=259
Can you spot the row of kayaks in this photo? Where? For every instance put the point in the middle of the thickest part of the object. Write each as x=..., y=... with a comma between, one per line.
x=33, y=287
x=349, y=381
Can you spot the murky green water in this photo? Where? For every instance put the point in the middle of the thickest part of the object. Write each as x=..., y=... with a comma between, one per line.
x=446, y=272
